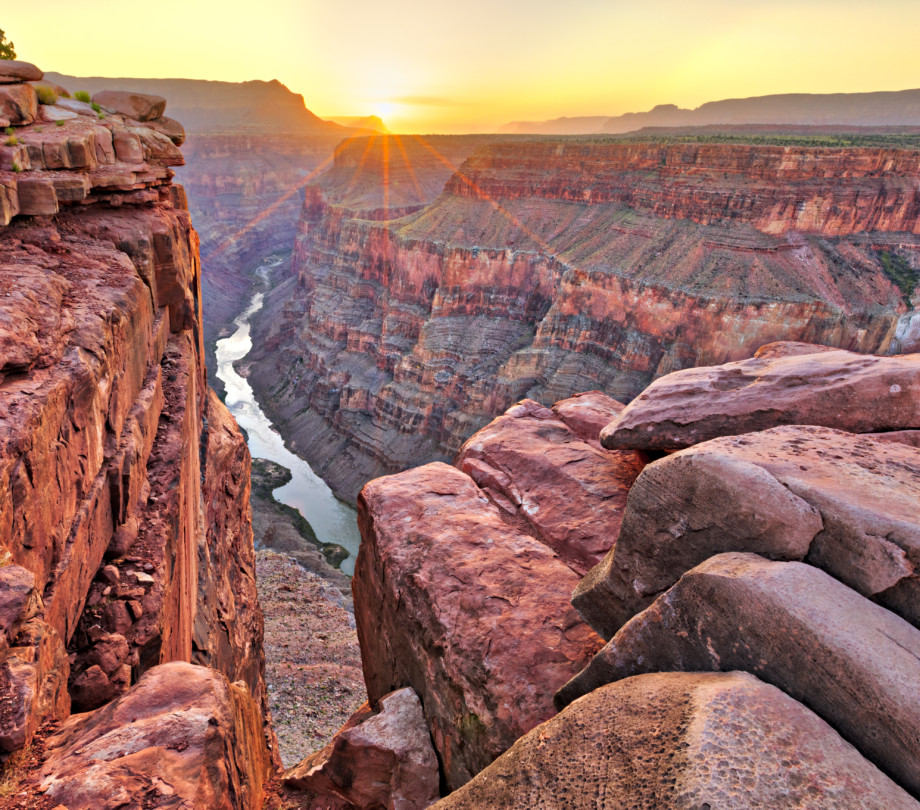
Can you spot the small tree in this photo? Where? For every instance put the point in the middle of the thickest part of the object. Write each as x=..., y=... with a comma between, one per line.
x=7, y=50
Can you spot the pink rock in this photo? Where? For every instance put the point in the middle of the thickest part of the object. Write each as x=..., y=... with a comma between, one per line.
x=18, y=103
x=12, y=71
x=715, y=740
x=567, y=493
x=19, y=601
x=781, y=385
x=471, y=613
x=588, y=413
x=183, y=736
x=852, y=662
x=378, y=759
x=843, y=502
x=139, y=106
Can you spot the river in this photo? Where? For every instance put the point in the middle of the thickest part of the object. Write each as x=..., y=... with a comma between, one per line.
x=331, y=519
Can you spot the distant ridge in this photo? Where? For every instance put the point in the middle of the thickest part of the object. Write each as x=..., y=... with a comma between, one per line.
x=370, y=122
x=885, y=108
x=253, y=106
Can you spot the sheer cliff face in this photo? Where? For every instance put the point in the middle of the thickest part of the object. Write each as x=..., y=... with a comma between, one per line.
x=546, y=268
x=123, y=482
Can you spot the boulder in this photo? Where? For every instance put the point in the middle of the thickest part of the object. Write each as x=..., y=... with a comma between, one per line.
x=183, y=736
x=19, y=601
x=843, y=502
x=58, y=112
x=689, y=740
x=588, y=413
x=78, y=107
x=568, y=494
x=783, y=384
x=169, y=127
x=471, y=613
x=850, y=661
x=378, y=759
x=18, y=103
x=14, y=72
x=139, y=106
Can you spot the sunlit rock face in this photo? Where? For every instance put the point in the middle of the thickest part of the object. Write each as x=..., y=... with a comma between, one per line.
x=125, y=525
x=547, y=267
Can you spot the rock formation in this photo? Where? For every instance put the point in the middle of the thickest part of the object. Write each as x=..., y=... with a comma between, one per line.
x=785, y=553
x=124, y=484
x=545, y=268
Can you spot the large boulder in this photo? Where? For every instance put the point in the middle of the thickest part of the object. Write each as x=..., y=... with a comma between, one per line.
x=846, y=503
x=566, y=492
x=688, y=740
x=783, y=384
x=139, y=106
x=850, y=661
x=184, y=736
x=588, y=413
x=18, y=103
x=378, y=759
x=15, y=72
x=471, y=613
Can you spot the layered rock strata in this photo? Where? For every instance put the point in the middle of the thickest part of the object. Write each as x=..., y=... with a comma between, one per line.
x=123, y=484
x=546, y=268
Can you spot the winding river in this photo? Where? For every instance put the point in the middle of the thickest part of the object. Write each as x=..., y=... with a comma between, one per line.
x=331, y=519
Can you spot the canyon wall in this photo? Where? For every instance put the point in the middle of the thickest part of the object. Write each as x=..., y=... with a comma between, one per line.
x=550, y=267
x=124, y=482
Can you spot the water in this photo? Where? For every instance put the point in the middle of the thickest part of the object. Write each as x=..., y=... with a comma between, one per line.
x=331, y=519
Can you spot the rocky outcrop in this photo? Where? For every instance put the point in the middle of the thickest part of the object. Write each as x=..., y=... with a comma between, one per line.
x=183, y=736
x=466, y=609
x=852, y=662
x=682, y=740
x=379, y=758
x=842, y=502
x=784, y=383
x=547, y=268
x=123, y=484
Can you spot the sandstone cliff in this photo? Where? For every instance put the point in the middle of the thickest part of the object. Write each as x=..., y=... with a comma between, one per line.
x=550, y=267
x=124, y=483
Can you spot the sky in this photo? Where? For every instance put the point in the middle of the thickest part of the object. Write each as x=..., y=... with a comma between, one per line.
x=473, y=65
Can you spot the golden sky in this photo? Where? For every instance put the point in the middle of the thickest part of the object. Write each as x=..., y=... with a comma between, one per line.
x=471, y=66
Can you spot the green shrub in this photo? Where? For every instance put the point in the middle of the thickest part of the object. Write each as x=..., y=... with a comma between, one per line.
x=899, y=271
x=59, y=123
x=46, y=95
x=82, y=95
x=96, y=108
x=17, y=168
x=12, y=140
x=10, y=131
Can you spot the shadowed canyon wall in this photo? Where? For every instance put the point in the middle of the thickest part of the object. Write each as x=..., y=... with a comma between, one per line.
x=550, y=267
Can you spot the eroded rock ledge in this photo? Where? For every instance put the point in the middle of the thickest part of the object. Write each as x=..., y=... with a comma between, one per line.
x=124, y=484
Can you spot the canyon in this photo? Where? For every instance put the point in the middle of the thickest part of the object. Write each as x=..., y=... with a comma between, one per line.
x=703, y=597
x=425, y=301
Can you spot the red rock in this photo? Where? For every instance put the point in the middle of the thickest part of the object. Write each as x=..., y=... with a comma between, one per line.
x=781, y=385
x=18, y=103
x=182, y=736
x=568, y=494
x=682, y=740
x=378, y=759
x=843, y=502
x=169, y=127
x=474, y=615
x=908, y=437
x=139, y=106
x=90, y=689
x=852, y=662
x=588, y=413
x=13, y=71
x=19, y=601
x=33, y=684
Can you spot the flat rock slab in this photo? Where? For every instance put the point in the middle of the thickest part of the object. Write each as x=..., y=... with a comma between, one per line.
x=184, y=736
x=686, y=740
x=379, y=758
x=843, y=502
x=12, y=70
x=783, y=384
x=139, y=106
x=850, y=661
x=588, y=413
x=471, y=613
x=569, y=494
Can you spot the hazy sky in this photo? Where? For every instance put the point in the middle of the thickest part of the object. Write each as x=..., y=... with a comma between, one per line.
x=438, y=65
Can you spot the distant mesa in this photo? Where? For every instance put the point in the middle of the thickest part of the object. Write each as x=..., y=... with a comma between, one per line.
x=370, y=122
x=890, y=108
x=254, y=106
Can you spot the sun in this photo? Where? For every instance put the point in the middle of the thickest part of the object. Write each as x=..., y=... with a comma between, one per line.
x=384, y=109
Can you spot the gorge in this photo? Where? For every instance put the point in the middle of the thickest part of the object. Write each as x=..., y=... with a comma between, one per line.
x=632, y=430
